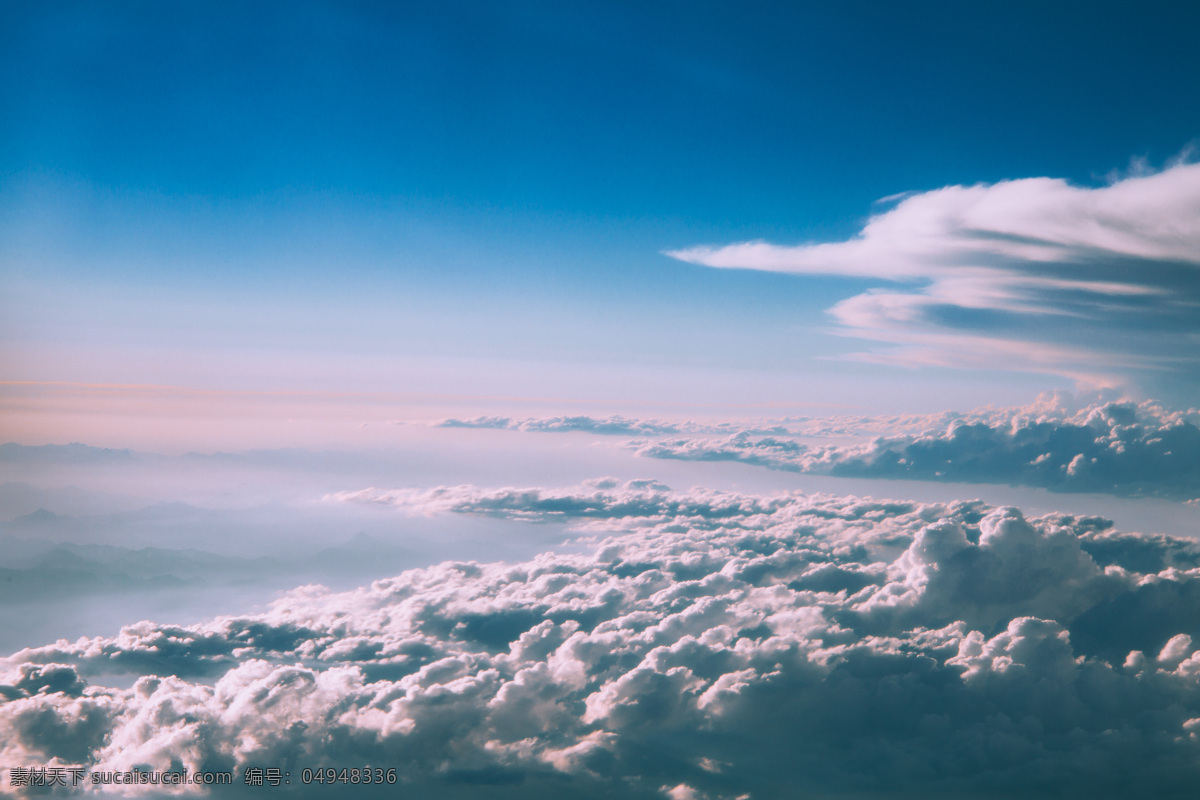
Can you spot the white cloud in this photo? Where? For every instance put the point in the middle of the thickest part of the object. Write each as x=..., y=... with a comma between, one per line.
x=714, y=644
x=1032, y=274
x=1122, y=448
x=1033, y=220
x=1114, y=447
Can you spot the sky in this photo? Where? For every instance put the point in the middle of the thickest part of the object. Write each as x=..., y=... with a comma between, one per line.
x=500, y=202
x=541, y=398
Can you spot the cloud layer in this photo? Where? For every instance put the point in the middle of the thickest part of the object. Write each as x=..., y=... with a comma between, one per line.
x=1119, y=448
x=707, y=644
x=608, y=426
x=1032, y=274
x=614, y=425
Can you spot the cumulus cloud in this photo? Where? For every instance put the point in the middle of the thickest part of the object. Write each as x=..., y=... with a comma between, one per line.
x=1124, y=448
x=1056, y=442
x=1033, y=274
x=708, y=644
x=1113, y=447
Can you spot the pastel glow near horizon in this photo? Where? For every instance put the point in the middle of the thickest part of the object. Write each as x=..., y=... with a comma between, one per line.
x=646, y=400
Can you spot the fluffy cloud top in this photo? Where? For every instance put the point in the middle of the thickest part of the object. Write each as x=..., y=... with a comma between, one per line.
x=1121, y=448
x=1031, y=274
x=1124, y=447
x=1115, y=447
x=710, y=645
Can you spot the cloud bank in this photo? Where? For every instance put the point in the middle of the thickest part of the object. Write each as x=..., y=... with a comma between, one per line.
x=1115, y=447
x=1033, y=274
x=1119, y=448
x=708, y=645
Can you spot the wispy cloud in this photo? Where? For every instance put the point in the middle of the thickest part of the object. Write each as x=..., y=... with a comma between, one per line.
x=1033, y=274
x=601, y=499
x=1028, y=221
x=614, y=425
x=609, y=426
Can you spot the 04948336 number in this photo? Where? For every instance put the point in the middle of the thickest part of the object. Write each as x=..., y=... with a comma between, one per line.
x=356, y=775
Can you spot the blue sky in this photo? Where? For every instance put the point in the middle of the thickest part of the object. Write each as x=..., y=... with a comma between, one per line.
x=249, y=197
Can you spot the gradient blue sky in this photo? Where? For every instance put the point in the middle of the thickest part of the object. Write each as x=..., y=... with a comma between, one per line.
x=476, y=200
